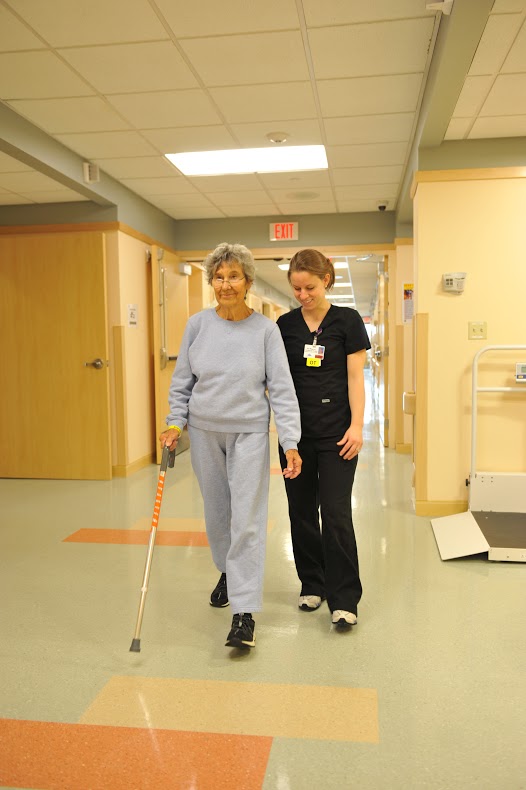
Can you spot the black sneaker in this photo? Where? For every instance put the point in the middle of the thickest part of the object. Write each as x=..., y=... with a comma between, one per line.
x=219, y=595
x=242, y=631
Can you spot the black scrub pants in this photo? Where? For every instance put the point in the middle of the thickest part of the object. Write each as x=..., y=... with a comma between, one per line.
x=326, y=560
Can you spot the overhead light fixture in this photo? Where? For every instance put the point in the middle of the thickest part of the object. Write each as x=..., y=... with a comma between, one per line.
x=340, y=265
x=364, y=257
x=343, y=285
x=250, y=160
x=283, y=266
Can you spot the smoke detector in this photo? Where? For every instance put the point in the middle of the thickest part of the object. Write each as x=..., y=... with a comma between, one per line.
x=277, y=137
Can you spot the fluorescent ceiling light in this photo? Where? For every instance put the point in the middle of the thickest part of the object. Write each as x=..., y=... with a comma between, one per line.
x=340, y=265
x=283, y=266
x=340, y=296
x=251, y=160
x=342, y=285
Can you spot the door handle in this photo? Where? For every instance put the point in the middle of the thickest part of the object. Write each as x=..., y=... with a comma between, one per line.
x=97, y=363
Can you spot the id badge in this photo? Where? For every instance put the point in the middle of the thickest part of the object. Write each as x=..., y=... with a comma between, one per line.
x=313, y=351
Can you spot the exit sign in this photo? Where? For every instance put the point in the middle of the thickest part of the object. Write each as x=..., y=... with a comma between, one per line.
x=284, y=231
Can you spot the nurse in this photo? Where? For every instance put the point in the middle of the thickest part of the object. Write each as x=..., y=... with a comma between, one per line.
x=326, y=348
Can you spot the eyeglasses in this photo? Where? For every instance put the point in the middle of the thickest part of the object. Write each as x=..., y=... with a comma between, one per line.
x=234, y=279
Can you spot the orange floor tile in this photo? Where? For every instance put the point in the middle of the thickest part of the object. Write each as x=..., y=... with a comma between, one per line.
x=37, y=754
x=170, y=523
x=137, y=537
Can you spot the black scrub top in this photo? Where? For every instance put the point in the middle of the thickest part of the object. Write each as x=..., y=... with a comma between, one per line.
x=323, y=392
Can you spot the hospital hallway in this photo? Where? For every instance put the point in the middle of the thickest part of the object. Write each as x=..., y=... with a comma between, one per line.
x=428, y=691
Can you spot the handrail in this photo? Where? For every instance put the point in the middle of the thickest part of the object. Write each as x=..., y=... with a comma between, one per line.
x=475, y=389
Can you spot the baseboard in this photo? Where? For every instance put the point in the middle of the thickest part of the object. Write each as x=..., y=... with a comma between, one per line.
x=126, y=470
x=440, y=508
x=407, y=449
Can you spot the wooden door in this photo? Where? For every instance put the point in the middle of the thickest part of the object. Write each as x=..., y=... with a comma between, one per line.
x=55, y=412
x=170, y=294
x=382, y=354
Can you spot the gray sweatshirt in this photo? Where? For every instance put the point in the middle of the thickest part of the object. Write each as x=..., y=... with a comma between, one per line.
x=221, y=374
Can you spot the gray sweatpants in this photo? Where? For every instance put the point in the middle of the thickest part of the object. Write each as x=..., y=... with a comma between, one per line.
x=233, y=472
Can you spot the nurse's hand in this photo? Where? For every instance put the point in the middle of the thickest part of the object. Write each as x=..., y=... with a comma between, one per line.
x=352, y=442
x=294, y=462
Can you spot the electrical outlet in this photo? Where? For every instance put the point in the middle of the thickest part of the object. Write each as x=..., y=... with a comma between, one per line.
x=477, y=330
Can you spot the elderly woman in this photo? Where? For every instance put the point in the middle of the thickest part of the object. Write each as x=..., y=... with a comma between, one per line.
x=230, y=355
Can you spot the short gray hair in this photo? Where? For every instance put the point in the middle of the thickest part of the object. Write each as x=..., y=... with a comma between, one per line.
x=224, y=253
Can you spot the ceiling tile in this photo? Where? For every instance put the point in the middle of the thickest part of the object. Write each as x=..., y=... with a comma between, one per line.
x=107, y=144
x=8, y=164
x=355, y=155
x=458, y=128
x=211, y=18
x=17, y=77
x=162, y=109
x=137, y=167
x=369, y=95
x=295, y=195
x=190, y=138
x=373, y=49
x=318, y=207
x=506, y=95
x=132, y=68
x=226, y=183
x=369, y=129
x=10, y=199
x=347, y=176
x=66, y=23
x=254, y=135
x=195, y=213
x=250, y=211
x=358, y=206
x=87, y=114
x=296, y=180
x=30, y=181
x=472, y=95
x=367, y=191
x=508, y=6
x=507, y=126
x=249, y=59
x=495, y=43
x=341, y=12
x=14, y=35
x=272, y=103
x=159, y=186
x=516, y=60
x=252, y=197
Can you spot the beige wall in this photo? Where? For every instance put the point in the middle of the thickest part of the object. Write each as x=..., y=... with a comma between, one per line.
x=475, y=226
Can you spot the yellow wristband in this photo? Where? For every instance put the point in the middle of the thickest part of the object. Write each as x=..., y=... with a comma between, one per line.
x=175, y=428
